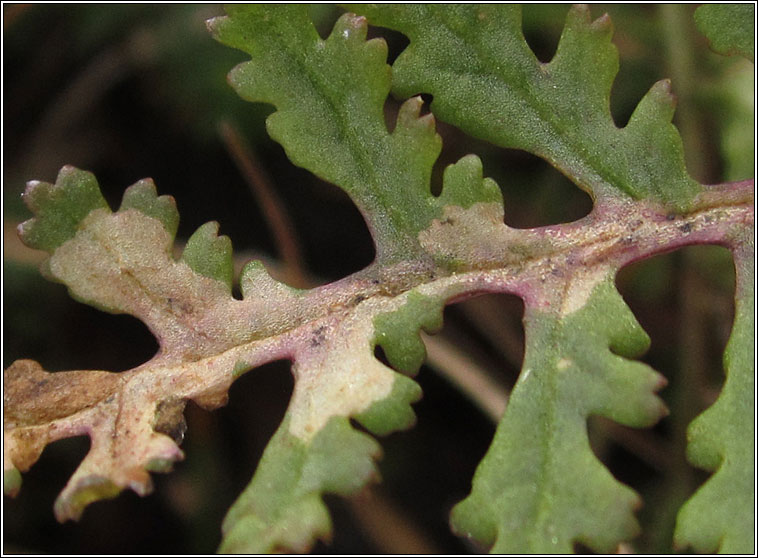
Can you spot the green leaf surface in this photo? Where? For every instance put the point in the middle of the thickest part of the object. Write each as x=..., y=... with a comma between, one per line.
x=143, y=197
x=730, y=28
x=281, y=509
x=486, y=80
x=210, y=255
x=720, y=516
x=60, y=208
x=540, y=489
x=398, y=332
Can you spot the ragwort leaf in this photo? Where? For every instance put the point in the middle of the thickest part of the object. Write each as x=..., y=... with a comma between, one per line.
x=122, y=262
x=330, y=95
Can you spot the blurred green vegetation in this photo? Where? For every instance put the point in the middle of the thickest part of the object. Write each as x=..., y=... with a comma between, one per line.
x=138, y=90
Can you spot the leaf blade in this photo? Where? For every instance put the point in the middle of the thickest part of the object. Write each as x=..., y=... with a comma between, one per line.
x=720, y=516
x=485, y=79
x=540, y=489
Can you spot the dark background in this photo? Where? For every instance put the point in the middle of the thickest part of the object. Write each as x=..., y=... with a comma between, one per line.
x=134, y=91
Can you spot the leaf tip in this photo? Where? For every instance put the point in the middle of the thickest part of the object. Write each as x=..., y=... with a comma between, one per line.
x=393, y=413
x=410, y=114
x=209, y=254
x=213, y=24
x=581, y=16
x=71, y=503
x=580, y=11
x=160, y=465
x=68, y=169
x=354, y=20
x=662, y=94
x=11, y=482
x=351, y=27
x=59, y=208
x=20, y=228
x=664, y=87
x=33, y=193
x=143, y=196
x=658, y=383
x=31, y=185
x=214, y=399
x=603, y=24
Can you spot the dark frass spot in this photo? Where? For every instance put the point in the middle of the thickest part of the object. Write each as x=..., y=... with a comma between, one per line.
x=318, y=337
